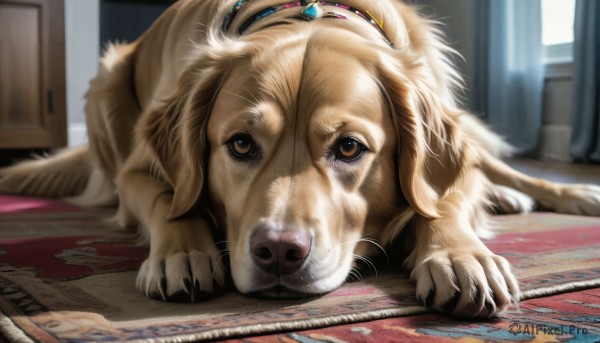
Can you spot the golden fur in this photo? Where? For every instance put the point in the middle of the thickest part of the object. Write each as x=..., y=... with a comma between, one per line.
x=163, y=110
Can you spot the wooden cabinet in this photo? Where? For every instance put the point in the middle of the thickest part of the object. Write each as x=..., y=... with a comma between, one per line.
x=32, y=74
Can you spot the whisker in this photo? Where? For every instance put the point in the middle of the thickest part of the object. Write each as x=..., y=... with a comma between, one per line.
x=368, y=262
x=218, y=261
x=242, y=97
x=252, y=95
x=376, y=244
x=224, y=242
x=370, y=241
x=354, y=272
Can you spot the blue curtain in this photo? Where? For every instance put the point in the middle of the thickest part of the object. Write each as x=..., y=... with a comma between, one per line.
x=585, y=137
x=513, y=74
x=502, y=41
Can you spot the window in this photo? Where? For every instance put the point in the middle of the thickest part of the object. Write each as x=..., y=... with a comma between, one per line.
x=557, y=30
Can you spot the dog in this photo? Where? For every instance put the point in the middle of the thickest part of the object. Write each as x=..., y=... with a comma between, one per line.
x=305, y=136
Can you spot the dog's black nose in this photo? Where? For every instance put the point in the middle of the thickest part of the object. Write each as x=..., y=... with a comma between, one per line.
x=280, y=252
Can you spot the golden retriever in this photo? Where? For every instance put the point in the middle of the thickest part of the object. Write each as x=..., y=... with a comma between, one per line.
x=308, y=135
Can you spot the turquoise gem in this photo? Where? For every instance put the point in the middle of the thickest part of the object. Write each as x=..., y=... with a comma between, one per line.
x=313, y=10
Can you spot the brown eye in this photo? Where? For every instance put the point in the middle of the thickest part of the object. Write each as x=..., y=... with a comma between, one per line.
x=349, y=149
x=242, y=148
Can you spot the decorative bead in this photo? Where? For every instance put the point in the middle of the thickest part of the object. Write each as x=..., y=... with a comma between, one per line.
x=314, y=10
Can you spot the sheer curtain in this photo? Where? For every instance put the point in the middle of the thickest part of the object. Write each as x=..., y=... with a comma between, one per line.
x=585, y=137
x=515, y=76
x=501, y=42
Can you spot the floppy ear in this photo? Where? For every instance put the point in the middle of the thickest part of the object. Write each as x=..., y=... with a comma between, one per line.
x=176, y=132
x=431, y=154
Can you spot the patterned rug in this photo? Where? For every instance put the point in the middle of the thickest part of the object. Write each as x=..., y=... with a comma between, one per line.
x=68, y=275
x=570, y=317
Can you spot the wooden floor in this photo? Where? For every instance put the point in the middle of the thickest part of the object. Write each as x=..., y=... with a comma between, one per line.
x=558, y=171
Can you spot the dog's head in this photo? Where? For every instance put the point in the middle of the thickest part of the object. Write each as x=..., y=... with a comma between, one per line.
x=303, y=147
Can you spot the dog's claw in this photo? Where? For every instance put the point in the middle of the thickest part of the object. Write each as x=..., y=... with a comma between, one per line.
x=428, y=301
x=181, y=277
x=449, y=306
x=187, y=286
x=490, y=306
x=465, y=285
x=161, y=287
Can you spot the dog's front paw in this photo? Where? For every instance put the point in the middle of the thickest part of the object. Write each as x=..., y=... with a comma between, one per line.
x=182, y=277
x=463, y=284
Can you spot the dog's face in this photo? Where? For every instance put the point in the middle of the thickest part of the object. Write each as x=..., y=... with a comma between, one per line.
x=307, y=146
x=301, y=165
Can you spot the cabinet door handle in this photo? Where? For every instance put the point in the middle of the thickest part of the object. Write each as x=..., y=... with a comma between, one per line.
x=51, y=101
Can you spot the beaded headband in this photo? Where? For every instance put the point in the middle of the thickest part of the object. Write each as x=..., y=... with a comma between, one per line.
x=313, y=9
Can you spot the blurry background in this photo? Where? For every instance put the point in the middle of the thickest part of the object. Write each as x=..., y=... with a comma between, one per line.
x=518, y=68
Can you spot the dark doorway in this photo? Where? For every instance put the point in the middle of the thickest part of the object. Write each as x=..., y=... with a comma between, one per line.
x=126, y=20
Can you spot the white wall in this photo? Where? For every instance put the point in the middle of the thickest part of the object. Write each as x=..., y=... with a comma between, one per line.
x=82, y=28
x=459, y=29
x=557, y=112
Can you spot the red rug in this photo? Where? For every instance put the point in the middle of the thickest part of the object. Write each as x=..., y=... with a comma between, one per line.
x=67, y=274
x=569, y=317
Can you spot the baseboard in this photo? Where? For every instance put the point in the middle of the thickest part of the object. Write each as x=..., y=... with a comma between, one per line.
x=554, y=142
x=77, y=134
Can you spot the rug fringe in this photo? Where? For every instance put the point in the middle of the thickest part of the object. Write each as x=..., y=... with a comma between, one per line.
x=264, y=329
x=569, y=287
x=10, y=331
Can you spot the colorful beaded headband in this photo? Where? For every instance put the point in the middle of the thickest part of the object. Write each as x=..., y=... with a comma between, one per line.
x=313, y=10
